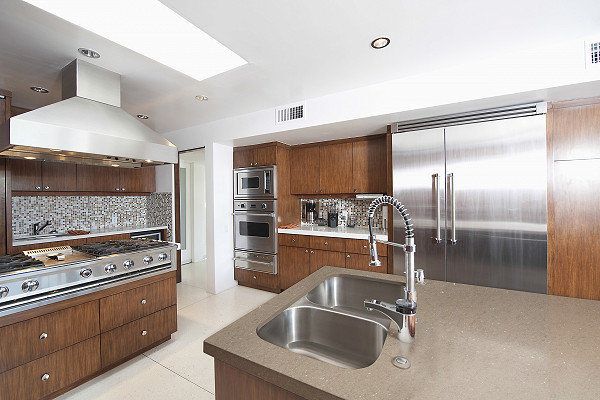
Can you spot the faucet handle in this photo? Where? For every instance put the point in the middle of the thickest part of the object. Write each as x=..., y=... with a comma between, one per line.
x=420, y=277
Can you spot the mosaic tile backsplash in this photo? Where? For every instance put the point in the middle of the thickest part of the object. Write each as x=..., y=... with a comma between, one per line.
x=90, y=212
x=354, y=208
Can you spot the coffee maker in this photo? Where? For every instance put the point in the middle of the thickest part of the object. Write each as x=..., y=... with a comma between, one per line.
x=309, y=211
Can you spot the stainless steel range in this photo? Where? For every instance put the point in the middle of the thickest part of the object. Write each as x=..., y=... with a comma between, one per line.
x=43, y=276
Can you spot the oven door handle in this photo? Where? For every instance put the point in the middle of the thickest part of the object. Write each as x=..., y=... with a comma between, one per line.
x=252, y=261
x=176, y=244
x=271, y=214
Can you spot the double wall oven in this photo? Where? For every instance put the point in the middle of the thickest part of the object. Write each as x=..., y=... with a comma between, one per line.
x=255, y=219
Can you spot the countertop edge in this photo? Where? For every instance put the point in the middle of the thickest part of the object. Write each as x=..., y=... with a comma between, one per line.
x=363, y=234
x=89, y=235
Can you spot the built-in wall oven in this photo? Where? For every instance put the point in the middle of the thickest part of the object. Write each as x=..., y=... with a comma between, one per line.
x=255, y=183
x=255, y=235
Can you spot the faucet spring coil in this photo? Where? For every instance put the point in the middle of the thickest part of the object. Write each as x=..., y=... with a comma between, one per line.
x=398, y=206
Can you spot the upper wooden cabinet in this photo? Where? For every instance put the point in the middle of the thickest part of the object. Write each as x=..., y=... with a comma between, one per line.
x=94, y=178
x=255, y=157
x=30, y=176
x=137, y=180
x=340, y=168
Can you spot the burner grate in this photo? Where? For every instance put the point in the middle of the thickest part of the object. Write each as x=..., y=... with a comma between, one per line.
x=18, y=261
x=118, y=246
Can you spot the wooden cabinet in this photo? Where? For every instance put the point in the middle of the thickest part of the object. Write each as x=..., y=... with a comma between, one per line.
x=5, y=104
x=137, y=180
x=361, y=246
x=336, y=168
x=575, y=132
x=137, y=335
x=285, y=239
x=328, y=243
x=258, y=280
x=30, y=176
x=95, y=178
x=293, y=265
x=305, y=170
x=361, y=262
x=49, y=374
x=321, y=258
x=369, y=166
x=255, y=157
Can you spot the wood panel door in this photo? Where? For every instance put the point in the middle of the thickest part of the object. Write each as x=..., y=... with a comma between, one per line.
x=574, y=251
x=266, y=155
x=95, y=178
x=293, y=265
x=321, y=258
x=576, y=133
x=137, y=180
x=305, y=170
x=26, y=175
x=336, y=168
x=242, y=158
x=59, y=177
x=369, y=166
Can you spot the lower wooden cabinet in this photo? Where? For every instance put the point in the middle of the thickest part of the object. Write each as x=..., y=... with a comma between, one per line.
x=49, y=374
x=321, y=258
x=293, y=265
x=258, y=280
x=128, y=339
x=361, y=262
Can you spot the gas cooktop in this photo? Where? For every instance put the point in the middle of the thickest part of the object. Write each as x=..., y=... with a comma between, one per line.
x=18, y=261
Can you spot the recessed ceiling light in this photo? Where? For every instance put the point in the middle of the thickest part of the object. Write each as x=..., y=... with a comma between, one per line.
x=380, y=43
x=29, y=158
x=88, y=52
x=201, y=98
x=39, y=89
x=142, y=116
x=133, y=24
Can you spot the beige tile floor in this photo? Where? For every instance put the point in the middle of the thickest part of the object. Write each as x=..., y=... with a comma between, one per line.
x=177, y=369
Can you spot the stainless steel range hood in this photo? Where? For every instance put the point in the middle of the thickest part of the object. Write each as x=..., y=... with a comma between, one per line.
x=87, y=126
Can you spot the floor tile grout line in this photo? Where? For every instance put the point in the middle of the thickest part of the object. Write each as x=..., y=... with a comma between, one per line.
x=181, y=376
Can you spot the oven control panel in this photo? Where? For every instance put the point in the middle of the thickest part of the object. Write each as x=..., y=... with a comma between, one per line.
x=263, y=206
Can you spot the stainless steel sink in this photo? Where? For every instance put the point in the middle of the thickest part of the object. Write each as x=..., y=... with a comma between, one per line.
x=327, y=335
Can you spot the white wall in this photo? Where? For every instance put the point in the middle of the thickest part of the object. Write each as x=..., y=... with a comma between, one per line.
x=199, y=204
x=219, y=219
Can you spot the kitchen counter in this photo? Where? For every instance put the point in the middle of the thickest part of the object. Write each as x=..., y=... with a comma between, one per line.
x=341, y=232
x=471, y=342
x=93, y=233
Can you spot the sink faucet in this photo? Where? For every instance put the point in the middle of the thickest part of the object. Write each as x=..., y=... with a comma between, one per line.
x=404, y=310
x=37, y=228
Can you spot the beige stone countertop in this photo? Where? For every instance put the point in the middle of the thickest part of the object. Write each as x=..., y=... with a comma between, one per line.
x=341, y=232
x=471, y=342
x=26, y=240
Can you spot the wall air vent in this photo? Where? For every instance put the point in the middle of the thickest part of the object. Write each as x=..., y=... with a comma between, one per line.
x=592, y=54
x=289, y=113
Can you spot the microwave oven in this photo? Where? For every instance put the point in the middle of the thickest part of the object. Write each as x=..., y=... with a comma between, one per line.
x=255, y=183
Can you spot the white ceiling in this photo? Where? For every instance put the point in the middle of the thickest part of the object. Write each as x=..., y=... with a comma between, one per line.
x=295, y=50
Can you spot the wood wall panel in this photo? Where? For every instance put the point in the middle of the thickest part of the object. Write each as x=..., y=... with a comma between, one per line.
x=576, y=132
x=59, y=177
x=369, y=166
x=336, y=168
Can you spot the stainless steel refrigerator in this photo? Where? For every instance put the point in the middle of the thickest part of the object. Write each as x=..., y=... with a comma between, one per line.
x=477, y=196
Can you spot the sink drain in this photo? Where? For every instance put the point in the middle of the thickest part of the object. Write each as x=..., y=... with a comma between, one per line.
x=401, y=362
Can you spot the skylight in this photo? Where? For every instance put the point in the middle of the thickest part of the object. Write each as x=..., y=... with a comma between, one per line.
x=150, y=28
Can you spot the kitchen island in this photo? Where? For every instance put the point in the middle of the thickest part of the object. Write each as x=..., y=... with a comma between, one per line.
x=471, y=342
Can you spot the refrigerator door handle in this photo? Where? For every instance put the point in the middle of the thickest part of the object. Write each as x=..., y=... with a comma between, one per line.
x=436, y=183
x=452, y=239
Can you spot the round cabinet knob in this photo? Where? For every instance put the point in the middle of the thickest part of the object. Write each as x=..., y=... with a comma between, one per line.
x=43, y=336
x=312, y=252
x=293, y=240
x=46, y=187
x=144, y=333
x=122, y=189
x=162, y=256
x=365, y=246
x=347, y=255
x=127, y=264
x=143, y=301
x=38, y=188
x=30, y=285
x=117, y=189
x=3, y=291
x=148, y=260
x=317, y=191
x=110, y=268
x=85, y=273
x=45, y=377
x=326, y=243
x=306, y=251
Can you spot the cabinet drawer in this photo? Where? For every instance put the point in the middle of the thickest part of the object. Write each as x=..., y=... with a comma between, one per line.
x=361, y=261
x=127, y=339
x=124, y=307
x=37, y=337
x=53, y=372
x=254, y=278
x=327, y=243
x=360, y=246
x=286, y=239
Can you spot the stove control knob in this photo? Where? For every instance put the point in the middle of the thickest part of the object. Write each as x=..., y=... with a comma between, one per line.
x=110, y=268
x=263, y=206
x=127, y=264
x=162, y=256
x=30, y=285
x=3, y=291
x=148, y=260
x=85, y=273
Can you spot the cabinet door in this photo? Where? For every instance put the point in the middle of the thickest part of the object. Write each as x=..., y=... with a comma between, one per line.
x=294, y=265
x=336, y=168
x=242, y=158
x=137, y=180
x=94, y=178
x=361, y=246
x=321, y=258
x=304, y=170
x=361, y=262
x=59, y=177
x=369, y=166
x=265, y=155
x=328, y=243
x=575, y=132
x=26, y=175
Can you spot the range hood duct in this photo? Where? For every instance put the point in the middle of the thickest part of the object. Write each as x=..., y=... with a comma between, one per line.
x=87, y=126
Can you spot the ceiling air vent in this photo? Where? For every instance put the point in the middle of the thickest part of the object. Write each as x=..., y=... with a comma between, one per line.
x=592, y=54
x=289, y=113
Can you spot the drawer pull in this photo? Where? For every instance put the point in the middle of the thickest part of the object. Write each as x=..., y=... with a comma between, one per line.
x=144, y=333
x=45, y=377
x=347, y=255
x=143, y=301
x=312, y=252
x=306, y=251
x=43, y=336
x=293, y=240
x=365, y=246
x=254, y=277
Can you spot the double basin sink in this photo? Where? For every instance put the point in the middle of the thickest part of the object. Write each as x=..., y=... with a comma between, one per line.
x=331, y=324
